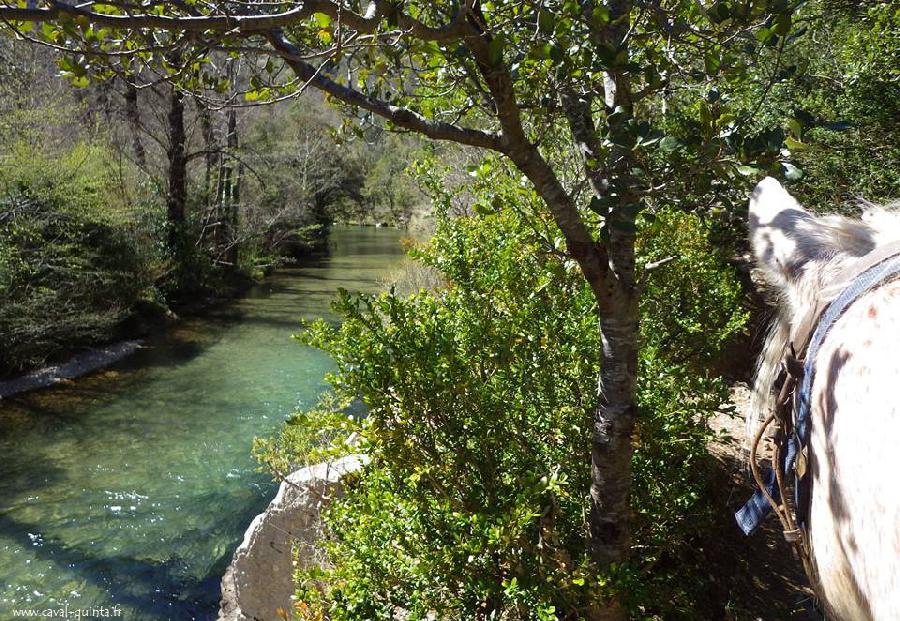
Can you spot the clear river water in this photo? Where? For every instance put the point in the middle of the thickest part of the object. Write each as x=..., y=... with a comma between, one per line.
x=132, y=487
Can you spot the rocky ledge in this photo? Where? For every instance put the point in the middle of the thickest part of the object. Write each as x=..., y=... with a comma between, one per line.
x=259, y=579
x=81, y=364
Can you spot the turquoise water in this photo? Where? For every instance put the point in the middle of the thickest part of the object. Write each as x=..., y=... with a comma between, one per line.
x=133, y=486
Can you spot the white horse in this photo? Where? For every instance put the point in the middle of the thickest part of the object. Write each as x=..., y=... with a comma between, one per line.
x=854, y=448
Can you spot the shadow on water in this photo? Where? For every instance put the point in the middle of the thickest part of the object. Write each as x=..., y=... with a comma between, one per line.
x=152, y=588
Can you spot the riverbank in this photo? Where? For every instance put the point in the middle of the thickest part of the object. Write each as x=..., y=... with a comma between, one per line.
x=79, y=365
x=143, y=322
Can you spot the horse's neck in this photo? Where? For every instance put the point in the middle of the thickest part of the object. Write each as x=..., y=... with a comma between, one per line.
x=823, y=282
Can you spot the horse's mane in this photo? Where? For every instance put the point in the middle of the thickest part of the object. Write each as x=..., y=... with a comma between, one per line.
x=829, y=244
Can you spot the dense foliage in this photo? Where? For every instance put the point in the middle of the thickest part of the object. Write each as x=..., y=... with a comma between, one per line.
x=837, y=98
x=74, y=257
x=479, y=400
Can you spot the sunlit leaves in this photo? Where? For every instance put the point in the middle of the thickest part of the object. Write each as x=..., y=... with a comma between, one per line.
x=479, y=396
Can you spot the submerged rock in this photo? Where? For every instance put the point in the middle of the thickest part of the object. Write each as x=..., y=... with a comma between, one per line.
x=259, y=579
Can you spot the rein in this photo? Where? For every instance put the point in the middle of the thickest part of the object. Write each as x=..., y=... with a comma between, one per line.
x=791, y=418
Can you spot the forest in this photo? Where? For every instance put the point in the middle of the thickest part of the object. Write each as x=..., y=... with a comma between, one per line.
x=538, y=379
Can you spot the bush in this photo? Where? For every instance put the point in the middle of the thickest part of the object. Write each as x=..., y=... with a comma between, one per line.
x=73, y=259
x=480, y=397
x=842, y=105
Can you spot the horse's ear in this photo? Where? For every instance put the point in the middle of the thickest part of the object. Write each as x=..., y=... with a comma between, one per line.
x=779, y=232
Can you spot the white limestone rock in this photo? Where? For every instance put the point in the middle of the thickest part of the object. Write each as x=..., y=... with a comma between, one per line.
x=259, y=579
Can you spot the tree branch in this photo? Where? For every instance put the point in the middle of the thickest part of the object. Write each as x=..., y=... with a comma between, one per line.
x=379, y=10
x=402, y=117
x=591, y=256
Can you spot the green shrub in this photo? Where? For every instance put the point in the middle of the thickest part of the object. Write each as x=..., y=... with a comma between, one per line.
x=480, y=397
x=841, y=105
x=73, y=257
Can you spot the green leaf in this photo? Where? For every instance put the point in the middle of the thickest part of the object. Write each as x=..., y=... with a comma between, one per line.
x=495, y=49
x=712, y=62
x=540, y=51
x=482, y=209
x=669, y=144
x=546, y=23
x=601, y=15
x=794, y=145
x=763, y=35
x=48, y=31
x=783, y=24
x=748, y=171
x=322, y=20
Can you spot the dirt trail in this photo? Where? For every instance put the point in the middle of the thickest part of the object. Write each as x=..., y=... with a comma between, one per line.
x=758, y=575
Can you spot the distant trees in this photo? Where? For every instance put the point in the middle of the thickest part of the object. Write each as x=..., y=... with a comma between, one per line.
x=390, y=193
x=297, y=177
x=122, y=196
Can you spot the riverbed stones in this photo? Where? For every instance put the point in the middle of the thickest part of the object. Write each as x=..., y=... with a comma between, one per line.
x=259, y=579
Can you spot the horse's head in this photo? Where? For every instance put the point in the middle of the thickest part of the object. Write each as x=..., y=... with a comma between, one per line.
x=792, y=246
x=799, y=256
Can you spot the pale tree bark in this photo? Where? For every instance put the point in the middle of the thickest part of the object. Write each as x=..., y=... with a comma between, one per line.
x=611, y=450
x=209, y=145
x=230, y=198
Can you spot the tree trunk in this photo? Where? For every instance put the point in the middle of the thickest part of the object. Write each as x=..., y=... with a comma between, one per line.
x=177, y=174
x=209, y=141
x=133, y=116
x=611, y=447
x=611, y=276
x=230, y=193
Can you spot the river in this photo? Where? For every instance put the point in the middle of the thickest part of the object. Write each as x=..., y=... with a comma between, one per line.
x=133, y=486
